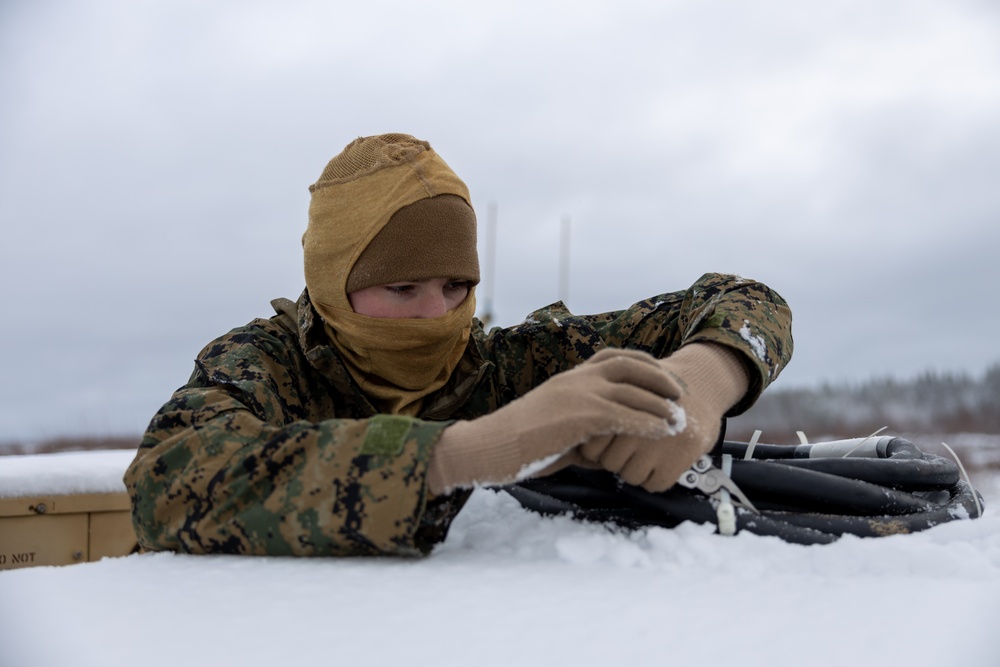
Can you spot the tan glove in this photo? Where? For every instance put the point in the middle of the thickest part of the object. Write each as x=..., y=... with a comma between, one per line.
x=713, y=379
x=615, y=392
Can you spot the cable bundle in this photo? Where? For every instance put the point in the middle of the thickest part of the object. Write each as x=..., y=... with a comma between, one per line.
x=806, y=494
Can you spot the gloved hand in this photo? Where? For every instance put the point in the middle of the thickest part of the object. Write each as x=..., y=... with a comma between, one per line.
x=712, y=379
x=615, y=392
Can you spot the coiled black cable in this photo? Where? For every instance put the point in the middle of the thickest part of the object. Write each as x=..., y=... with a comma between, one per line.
x=806, y=494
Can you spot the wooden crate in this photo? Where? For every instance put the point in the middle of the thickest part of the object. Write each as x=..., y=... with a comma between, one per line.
x=64, y=529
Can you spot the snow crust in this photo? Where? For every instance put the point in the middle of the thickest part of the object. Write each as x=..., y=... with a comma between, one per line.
x=529, y=469
x=64, y=473
x=512, y=587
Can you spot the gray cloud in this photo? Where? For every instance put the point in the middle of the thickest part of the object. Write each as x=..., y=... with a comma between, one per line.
x=156, y=158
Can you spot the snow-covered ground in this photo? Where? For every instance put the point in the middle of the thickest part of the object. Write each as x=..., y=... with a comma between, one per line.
x=510, y=587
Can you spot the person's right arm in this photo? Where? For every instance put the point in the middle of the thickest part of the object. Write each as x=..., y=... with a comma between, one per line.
x=253, y=456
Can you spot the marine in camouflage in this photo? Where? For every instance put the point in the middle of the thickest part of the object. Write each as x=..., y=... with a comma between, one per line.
x=271, y=449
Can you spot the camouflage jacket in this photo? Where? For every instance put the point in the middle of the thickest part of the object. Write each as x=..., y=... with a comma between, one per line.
x=270, y=448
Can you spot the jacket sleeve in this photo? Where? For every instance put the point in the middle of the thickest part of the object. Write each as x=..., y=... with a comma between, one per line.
x=236, y=462
x=744, y=315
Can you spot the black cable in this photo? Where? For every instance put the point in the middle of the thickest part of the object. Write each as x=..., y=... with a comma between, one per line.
x=891, y=488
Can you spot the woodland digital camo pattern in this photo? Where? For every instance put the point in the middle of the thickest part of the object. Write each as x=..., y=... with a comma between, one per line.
x=270, y=448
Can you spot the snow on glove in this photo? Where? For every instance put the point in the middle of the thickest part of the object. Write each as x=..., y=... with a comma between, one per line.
x=614, y=392
x=713, y=379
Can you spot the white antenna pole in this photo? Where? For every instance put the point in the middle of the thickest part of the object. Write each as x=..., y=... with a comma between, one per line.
x=489, y=268
x=564, y=260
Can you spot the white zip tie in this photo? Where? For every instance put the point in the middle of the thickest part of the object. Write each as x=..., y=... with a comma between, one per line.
x=854, y=449
x=725, y=512
x=753, y=443
x=802, y=438
x=965, y=476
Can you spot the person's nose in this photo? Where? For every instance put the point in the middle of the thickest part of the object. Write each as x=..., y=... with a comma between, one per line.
x=433, y=304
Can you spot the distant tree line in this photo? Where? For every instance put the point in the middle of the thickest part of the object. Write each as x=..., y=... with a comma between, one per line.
x=929, y=403
x=70, y=444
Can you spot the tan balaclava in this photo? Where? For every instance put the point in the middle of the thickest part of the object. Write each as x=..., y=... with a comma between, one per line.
x=387, y=209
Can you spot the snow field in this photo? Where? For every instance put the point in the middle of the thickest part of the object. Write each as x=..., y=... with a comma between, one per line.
x=512, y=587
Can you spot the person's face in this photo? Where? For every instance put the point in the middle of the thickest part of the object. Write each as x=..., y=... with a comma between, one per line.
x=421, y=299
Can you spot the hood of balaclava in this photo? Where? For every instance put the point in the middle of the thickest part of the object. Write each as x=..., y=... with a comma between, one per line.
x=388, y=209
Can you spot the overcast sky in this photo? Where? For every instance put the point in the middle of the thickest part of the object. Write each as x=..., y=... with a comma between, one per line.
x=155, y=158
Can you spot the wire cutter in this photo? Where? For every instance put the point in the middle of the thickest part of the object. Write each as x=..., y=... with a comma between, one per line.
x=705, y=477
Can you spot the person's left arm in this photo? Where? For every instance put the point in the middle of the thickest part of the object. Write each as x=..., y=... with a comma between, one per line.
x=744, y=316
x=733, y=338
x=723, y=340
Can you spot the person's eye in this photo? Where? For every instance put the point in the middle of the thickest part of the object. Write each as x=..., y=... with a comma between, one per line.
x=458, y=285
x=399, y=289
